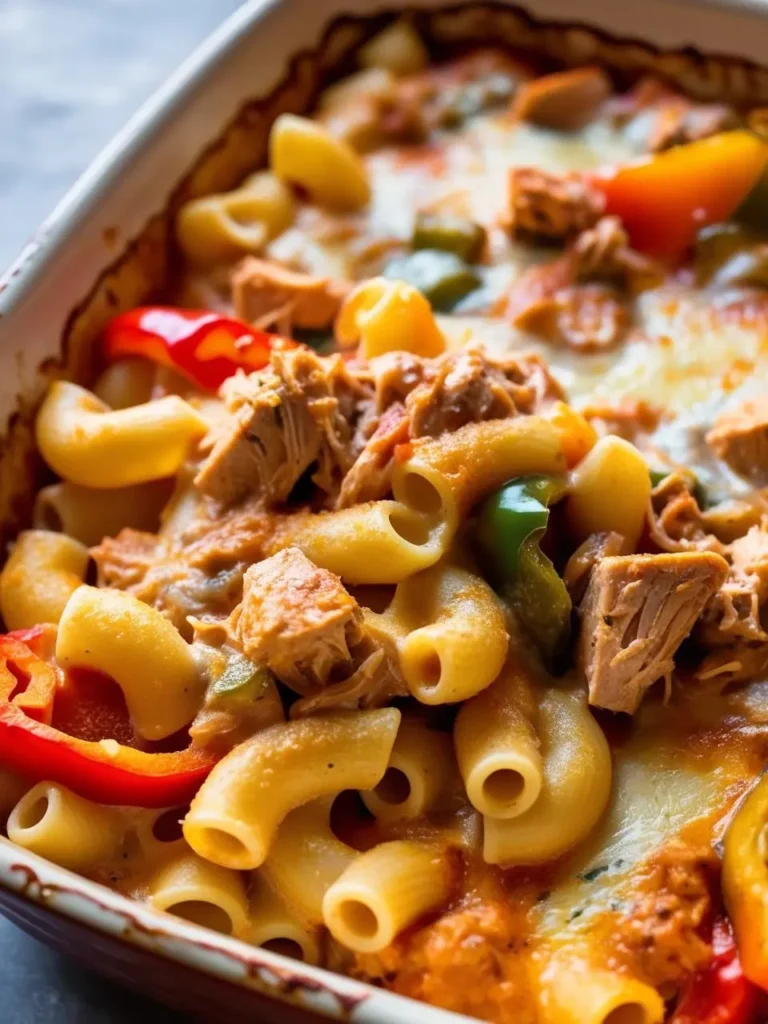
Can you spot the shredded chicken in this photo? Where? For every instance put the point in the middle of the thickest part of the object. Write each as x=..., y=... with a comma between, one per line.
x=603, y=253
x=269, y=295
x=565, y=100
x=734, y=611
x=302, y=624
x=635, y=614
x=633, y=419
x=551, y=206
x=740, y=438
x=299, y=411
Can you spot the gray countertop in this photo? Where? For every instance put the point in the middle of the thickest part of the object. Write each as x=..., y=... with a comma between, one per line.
x=71, y=72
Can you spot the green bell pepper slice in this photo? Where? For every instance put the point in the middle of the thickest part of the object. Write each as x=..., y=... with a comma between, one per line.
x=510, y=525
x=442, y=277
x=449, y=233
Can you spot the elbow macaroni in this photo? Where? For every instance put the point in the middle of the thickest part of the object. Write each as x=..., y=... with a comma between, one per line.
x=388, y=316
x=497, y=747
x=305, y=858
x=575, y=787
x=384, y=891
x=41, y=574
x=275, y=926
x=220, y=228
x=87, y=443
x=303, y=152
x=155, y=668
x=89, y=515
x=200, y=892
x=381, y=542
x=55, y=823
x=419, y=772
x=234, y=817
x=451, y=634
x=448, y=475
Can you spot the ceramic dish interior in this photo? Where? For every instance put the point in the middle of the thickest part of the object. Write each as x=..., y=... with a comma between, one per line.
x=111, y=247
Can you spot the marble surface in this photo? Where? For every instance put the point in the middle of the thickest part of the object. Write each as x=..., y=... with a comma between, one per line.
x=71, y=72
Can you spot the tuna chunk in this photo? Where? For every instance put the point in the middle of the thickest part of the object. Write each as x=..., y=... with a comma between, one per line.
x=267, y=294
x=551, y=206
x=296, y=619
x=635, y=614
x=302, y=624
x=299, y=411
x=740, y=438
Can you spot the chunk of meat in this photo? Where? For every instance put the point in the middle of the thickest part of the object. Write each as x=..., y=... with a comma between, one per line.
x=603, y=253
x=395, y=375
x=267, y=294
x=564, y=100
x=296, y=619
x=670, y=901
x=468, y=387
x=740, y=439
x=302, y=624
x=370, y=476
x=734, y=613
x=547, y=301
x=298, y=411
x=635, y=614
x=675, y=522
x=657, y=117
x=545, y=205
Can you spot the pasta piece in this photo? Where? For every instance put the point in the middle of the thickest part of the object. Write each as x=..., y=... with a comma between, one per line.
x=497, y=747
x=203, y=893
x=126, y=382
x=275, y=926
x=12, y=789
x=303, y=152
x=305, y=858
x=445, y=476
x=574, y=792
x=220, y=228
x=418, y=774
x=114, y=632
x=572, y=991
x=610, y=491
x=451, y=633
x=384, y=891
x=42, y=572
x=86, y=442
x=388, y=316
x=398, y=48
x=56, y=824
x=380, y=542
x=234, y=817
x=89, y=515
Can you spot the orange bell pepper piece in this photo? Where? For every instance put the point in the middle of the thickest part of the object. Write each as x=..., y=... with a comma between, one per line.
x=664, y=200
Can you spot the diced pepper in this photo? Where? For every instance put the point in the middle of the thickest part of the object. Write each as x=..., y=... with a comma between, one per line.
x=241, y=682
x=664, y=200
x=720, y=994
x=745, y=881
x=205, y=347
x=103, y=770
x=510, y=525
x=442, y=277
x=449, y=233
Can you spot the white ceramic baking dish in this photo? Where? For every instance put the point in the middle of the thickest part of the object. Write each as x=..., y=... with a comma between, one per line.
x=106, y=247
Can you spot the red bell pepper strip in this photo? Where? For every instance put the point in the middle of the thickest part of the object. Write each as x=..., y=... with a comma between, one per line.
x=720, y=994
x=665, y=199
x=205, y=347
x=104, y=770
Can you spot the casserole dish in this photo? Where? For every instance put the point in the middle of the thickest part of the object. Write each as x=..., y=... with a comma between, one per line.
x=107, y=249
